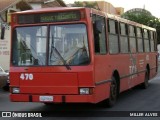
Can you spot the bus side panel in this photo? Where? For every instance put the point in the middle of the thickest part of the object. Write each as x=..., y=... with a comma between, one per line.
x=124, y=84
x=141, y=68
x=102, y=92
x=152, y=73
x=122, y=64
x=153, y=64
x=143, y=60
x=102, y=74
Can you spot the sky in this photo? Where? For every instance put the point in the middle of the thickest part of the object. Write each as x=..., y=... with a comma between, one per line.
x=151, y=5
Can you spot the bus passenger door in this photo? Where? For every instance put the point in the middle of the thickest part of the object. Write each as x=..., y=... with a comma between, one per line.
x=100, y=58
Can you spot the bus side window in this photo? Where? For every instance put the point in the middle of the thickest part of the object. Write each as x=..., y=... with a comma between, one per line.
x=140, y=40
x=146, y=40
x=151, y=41
x=99, y=31
x=124, y=38
x=155, y=40
x=113, y=36
x=132, y=39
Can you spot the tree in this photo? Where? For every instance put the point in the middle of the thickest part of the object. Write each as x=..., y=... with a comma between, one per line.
x=91, y=5
x=86, y=4
x=144, y=18
x=78, y=4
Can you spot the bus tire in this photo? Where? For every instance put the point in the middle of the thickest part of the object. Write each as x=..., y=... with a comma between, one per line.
x=145, y=84
x=113, y=93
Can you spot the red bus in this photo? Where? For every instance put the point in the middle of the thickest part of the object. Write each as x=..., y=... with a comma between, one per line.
x=78, y=55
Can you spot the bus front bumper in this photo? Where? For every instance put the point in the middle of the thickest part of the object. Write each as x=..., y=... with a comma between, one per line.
x=52, y=98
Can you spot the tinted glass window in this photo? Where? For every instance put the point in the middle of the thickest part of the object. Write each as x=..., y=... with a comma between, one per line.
x=99, y=31
x=113, y=37
x=68, y=45
x=123, y=38
x=29, y=46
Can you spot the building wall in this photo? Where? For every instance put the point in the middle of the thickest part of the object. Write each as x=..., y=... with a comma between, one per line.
x=109, y=8
x=3, y=15
x=53, y=4
x=36, y=5
x=120, y=10
x=5, y=43
x=5, y=49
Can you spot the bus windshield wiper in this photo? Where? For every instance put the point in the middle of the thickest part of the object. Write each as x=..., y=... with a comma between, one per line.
x=62, y=59
x=53, y=48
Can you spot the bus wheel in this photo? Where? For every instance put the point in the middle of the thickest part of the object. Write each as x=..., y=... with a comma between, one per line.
x=145, y=84
x=113, y=93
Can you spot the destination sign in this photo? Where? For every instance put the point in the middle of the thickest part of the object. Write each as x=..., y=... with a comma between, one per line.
x=49, y=17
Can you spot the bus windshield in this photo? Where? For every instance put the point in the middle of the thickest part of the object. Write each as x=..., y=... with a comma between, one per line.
x=64, y=45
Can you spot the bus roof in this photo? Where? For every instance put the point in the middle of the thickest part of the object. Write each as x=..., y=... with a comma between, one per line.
x=117, y=18
x=49, y=10
x=129, y=22
x=110, y=16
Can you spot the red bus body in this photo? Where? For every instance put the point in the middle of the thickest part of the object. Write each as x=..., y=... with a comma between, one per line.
x=64, y=84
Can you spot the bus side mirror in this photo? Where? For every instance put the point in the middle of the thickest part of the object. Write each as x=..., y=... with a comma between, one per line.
x=2, y=33
x=98, y=26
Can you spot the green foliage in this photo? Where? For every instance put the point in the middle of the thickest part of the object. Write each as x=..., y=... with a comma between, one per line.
x=91, y=4
x=146, y=19
x=86, y=4
x=78, y=4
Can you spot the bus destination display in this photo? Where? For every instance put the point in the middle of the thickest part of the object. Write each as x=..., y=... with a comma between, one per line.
x=49, y=17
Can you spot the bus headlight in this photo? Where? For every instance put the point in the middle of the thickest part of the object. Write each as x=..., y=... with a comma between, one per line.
x=15, y=90
x=84, y=91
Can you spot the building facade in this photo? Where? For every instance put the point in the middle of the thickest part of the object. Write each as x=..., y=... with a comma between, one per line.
x=109, y=8
x=6, y=8
x=37, y=4
x=103, y=6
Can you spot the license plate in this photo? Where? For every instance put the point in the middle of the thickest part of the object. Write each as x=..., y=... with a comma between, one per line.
x=46, y=98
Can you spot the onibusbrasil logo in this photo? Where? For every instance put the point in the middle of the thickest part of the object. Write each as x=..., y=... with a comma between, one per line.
x=22, y=114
